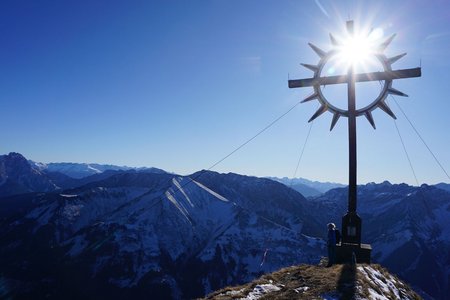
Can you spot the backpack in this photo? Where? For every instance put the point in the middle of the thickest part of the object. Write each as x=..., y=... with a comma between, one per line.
x=338, y=236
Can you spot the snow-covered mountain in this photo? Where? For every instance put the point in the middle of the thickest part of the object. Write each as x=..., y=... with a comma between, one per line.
x=138, y=233
x=17, y=176
x=307, y=187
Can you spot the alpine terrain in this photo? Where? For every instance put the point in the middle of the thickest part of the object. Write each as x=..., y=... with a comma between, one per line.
x=133, y=233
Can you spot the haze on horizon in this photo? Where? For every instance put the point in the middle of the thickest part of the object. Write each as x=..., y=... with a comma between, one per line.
x=179, y=85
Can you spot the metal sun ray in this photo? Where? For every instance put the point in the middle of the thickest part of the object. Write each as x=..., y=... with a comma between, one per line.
x=386, y=43
x=337, y=113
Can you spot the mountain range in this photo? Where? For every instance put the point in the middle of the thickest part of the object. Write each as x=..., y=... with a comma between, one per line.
x=81, y=170
x=307, y=187
x=19, y=175
x=130, y=233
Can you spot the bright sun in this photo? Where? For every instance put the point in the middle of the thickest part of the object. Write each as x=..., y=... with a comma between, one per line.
x=355, y=50
x=359, y=49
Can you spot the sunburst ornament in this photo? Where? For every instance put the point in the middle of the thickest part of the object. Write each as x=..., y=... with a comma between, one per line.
x=350, y=51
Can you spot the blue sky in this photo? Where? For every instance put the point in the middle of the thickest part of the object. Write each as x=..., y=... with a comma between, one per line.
x=180, y=84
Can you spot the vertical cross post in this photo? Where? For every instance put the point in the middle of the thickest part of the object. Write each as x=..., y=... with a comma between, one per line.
x=351, y=222
x=351, y=143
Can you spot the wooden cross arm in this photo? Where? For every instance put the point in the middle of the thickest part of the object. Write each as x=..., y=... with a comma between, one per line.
x=374, y=76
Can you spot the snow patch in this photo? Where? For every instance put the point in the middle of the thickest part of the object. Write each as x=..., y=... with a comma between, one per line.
x=68, y=195
x=375, y=296
x=387, y=285
x=301, y=289
x=220, y=197
x=232, y=292
x=180, y=188
x=260, y=290
x=174, y=201
x=89, y=167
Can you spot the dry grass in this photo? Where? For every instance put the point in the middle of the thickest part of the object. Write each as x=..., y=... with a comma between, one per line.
x=319, y=280
x=342, y=281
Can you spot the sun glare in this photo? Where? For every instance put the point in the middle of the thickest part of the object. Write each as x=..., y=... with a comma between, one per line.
x=355, y=50
x=359, y=49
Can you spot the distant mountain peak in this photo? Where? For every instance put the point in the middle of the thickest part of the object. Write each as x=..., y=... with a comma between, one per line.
x=15, y=154
x=18, y=176
x=16, y=158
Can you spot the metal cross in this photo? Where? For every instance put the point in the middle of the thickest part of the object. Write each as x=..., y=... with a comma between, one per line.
x=351, y=223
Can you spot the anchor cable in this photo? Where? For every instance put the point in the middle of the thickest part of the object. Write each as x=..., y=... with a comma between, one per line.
x=303, y=150
x=253, y=137
x=300, y=157
x=301, y=153
x=421, y=138
x=406, y=153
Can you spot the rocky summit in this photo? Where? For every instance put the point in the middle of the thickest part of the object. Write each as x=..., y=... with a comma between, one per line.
x=317, y=282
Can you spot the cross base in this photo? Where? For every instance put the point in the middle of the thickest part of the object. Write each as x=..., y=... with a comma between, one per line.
x=345, y=251
x=351, y=228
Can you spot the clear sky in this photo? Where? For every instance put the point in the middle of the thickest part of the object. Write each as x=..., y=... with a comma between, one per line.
x=180, y=84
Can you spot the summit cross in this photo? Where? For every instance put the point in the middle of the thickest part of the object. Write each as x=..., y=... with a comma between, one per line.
x=351, y=222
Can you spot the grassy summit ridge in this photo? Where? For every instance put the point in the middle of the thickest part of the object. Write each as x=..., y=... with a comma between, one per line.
x=317, y=282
